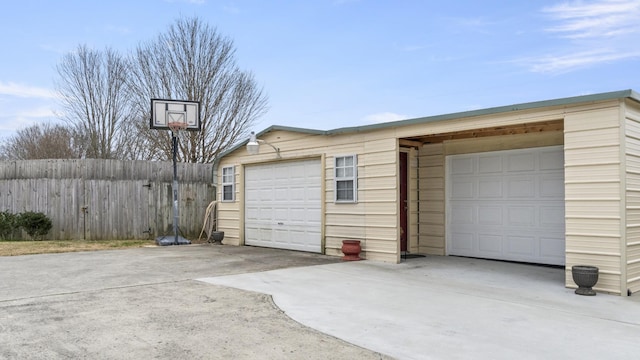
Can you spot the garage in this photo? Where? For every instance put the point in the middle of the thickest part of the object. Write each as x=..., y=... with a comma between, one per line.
x=507, y=205
x=283, y=205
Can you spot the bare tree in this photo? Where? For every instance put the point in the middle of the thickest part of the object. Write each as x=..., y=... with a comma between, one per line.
x=95, y=99
x=191, y=61
x=44, y=141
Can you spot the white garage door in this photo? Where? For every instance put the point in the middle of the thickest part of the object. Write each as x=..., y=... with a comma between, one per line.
x=507, y=205
x=283, y=205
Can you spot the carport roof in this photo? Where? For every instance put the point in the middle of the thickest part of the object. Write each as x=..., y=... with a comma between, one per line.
x=631, y=94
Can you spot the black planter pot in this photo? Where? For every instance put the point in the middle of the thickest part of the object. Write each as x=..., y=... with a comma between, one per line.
x=216, y=237
x=585, y=277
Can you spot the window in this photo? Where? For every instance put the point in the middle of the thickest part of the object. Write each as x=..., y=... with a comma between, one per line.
x=228, y=183
x=346, y=182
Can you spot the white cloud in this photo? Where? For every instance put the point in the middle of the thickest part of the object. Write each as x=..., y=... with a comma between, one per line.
x=383, y=117
x=573, y=61
x=40, y=112
x=24, y=91
x=598, y=19
x=23, y=118
x=595, y=32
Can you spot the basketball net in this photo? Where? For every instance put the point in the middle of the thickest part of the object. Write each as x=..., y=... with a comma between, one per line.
x=177, y=129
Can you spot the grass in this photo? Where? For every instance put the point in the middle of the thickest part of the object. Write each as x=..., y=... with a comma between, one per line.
x=15, y=248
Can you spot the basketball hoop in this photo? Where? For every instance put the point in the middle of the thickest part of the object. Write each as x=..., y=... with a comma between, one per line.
x=177, y=116
x=177, y=126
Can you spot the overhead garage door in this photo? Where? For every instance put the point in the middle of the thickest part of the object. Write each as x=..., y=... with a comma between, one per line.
x=507, y=205
x=283, y=205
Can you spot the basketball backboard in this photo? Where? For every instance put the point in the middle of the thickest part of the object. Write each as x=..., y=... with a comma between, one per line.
x=165, y=111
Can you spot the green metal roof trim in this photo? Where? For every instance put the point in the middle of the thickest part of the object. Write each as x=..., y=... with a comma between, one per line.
x=631, y=94
x=496, y=110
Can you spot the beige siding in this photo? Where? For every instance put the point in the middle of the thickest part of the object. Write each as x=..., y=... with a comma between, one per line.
x=377, y=196
x=593, y=193
x=431, y=221
x=632, y=155
x=414, y=209
x=373, y=219
x=229, y=213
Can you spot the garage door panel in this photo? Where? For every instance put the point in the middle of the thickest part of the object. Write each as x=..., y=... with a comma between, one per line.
x=463, y=215
x=516, y=213
x=522, y=187
x=490, y=245
x=551, y=247
x=282, y=205
x=521, y=247
x=490, y=187
x=552, y=186
x=549, y=160
x=463, y=189
x=490, y=215
x=552, y=216
x=521, y=215
x=461, y=166
x=518, y=162
x=462, y=243
x=488, y=163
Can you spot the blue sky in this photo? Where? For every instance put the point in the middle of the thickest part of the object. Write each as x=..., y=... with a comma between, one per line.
x=327, y=64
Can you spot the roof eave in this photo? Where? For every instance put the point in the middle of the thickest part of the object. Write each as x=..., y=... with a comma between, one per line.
x=630, y=94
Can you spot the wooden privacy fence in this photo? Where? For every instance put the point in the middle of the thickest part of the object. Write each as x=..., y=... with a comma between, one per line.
x=97, y=199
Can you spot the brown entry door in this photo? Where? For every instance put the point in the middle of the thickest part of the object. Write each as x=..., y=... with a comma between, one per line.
x=404, y=201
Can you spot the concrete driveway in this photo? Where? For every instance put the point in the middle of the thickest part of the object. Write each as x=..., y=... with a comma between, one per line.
x=453, y=308
x=209, y=302
x=144, y=304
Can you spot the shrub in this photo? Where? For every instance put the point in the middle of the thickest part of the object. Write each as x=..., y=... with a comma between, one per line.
x=36, y=224
x=8, y=225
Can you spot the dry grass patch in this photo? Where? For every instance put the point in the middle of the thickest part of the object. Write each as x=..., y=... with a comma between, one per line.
x=14, y=248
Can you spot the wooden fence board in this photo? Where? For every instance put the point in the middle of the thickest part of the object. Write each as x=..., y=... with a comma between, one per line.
x=107, y=199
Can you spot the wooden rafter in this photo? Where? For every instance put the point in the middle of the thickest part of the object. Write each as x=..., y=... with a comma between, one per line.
x=526, y=128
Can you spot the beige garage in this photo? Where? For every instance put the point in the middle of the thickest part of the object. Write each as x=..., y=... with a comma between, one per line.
x=390, y=185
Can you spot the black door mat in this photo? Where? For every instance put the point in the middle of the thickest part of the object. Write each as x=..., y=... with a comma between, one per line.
x=412, y=256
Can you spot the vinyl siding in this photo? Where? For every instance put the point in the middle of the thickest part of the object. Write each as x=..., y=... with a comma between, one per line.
x=413, y=212
x=373, y=219
x=632, y=206
x=593, y=193
x=431, y=220
x=229, y=212
x=375, y=216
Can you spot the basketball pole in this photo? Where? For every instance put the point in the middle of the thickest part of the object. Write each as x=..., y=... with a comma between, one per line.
x=176, y=216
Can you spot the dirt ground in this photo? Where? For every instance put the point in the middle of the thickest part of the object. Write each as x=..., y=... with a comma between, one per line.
x=143, y=304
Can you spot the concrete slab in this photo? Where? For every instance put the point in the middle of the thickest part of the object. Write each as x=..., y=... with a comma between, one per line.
x=452, y=308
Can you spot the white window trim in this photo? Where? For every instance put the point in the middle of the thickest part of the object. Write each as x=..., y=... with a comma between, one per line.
x=232, y=183
x=354, y=178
